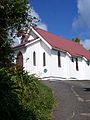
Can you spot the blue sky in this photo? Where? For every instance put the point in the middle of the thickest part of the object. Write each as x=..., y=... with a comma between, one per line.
x=67, y=18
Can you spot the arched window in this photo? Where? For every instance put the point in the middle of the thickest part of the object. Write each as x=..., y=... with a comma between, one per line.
x=59, y=59
x=34, y=58
x=44, y=59
x=19, y=59
x=77, y=68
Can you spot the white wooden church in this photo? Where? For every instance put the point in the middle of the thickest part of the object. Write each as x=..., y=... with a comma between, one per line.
x=50, y=56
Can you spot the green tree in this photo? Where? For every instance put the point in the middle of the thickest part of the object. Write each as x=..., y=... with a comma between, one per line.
x=22, y=97
x=77, y=39
x=13, y=13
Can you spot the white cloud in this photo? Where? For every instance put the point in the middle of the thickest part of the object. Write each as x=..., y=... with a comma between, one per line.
x=40, y=24
x=86, y=43
x=83, y=17
x=82, y=21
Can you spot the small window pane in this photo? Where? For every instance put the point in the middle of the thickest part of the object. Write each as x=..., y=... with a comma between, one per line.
x=44, y=59
x=77, y=68
x=72, y=59
x=34, y=58
x=59, y=59
x=88, y=63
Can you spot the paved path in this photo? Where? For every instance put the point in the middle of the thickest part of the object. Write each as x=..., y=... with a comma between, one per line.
x=72, y=100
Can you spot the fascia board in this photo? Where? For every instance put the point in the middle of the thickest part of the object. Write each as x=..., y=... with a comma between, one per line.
x=32, y=42
x=69, y=54
x=85, y=58
x=19, y=48
x=57, y=49
x=41, y=38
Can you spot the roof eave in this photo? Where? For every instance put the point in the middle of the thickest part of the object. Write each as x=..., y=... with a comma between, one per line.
x=58, y=49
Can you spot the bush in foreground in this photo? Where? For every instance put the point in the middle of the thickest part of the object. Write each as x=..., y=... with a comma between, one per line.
x=10, y=108
x=24, y=97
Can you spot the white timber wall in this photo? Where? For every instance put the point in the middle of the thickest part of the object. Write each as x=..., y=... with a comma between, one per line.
x=83, y=72
x=39, y=48
x=76, y=74
x=56, y=71
x=67, y=69
x=87, y=70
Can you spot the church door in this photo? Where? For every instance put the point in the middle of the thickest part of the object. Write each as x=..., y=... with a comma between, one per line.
x=19, y=59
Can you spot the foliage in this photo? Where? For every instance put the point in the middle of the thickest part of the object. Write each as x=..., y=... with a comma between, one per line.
x=12, y=14
x=22, y=97
x=10, y=108
x=5, y=49
x=34, y=96
x=76, y=39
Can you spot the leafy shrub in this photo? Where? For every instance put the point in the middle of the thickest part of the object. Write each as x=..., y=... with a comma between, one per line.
x=23, y=96
x=10, y=108
x=33, y=95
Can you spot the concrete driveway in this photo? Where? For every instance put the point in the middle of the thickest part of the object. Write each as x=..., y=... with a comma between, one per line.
x=72, y=99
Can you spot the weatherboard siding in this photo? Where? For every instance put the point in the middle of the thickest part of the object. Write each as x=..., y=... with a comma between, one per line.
x=57, y=71
x=67, y=69
x=50, y=47
x=87, y=70
x=39, y=69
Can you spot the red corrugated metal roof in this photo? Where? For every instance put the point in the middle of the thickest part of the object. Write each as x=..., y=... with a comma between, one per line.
x=73, y=48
